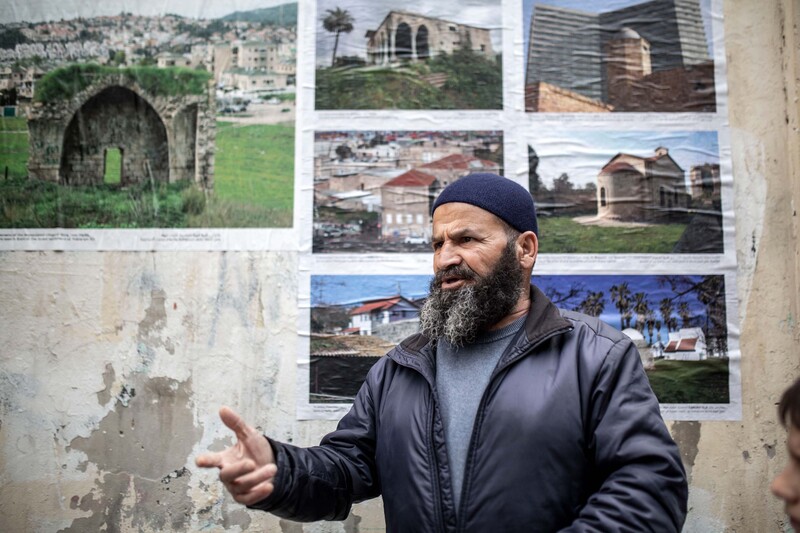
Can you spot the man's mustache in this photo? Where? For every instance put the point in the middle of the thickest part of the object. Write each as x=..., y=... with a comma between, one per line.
x=454, y=271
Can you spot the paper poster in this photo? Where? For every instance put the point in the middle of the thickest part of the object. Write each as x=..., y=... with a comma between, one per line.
x=328, y=129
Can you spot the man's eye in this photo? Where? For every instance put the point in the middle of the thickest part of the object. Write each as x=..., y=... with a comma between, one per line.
x=466, y=239
x=437, y=245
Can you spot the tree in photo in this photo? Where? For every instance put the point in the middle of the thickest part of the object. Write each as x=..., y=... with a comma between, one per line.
x=593, y=305
x=621, y=298
x=337, y=22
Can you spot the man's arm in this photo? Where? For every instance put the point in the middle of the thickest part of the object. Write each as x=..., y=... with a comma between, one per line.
x=302, y=484
x=643, y=484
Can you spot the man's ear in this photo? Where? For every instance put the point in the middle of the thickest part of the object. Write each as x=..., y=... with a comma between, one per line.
x=527, y=248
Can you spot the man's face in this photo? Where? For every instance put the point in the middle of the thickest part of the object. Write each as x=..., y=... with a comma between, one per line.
x=786, y=485
x=464, y=234
x=478, y=277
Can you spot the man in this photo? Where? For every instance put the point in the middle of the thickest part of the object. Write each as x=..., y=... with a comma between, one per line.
x=503, y=414
x=786, y=485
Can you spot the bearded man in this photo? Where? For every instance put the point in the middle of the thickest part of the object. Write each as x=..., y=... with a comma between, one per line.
x=503, y=414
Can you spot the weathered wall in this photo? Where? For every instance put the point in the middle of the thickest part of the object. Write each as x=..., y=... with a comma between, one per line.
x=113, y=364
x=731, y=463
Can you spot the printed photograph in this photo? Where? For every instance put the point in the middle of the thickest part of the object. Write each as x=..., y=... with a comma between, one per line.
x=373, y=190
x=678, y=324
x=139, y=119
x=586, y=56
x=421, y=54
x=627, y=192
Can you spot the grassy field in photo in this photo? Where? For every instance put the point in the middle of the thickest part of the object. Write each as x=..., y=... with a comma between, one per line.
x=253, y=187
x=471, y=81
x=690, y=381
x=13, y=147
x=561, y=235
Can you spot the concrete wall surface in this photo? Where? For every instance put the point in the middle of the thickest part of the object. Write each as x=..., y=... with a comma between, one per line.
x=113, y=365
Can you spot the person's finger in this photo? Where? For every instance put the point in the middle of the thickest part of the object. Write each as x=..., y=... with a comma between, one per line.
x=209, y=460
x=258, y=493
x=235, y=422
x=230, y=473
x=247, y=481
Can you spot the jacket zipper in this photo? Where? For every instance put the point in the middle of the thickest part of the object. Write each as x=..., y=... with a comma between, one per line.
x=462, y=508
x=437, y=498
x=432, y=457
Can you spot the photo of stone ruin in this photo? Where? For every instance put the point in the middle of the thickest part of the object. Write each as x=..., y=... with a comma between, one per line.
x=159, y=138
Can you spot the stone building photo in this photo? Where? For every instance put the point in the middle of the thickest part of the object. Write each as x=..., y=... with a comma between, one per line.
x=628, y=192
x=140, y=121
x=157, y=137
x=417, y=55
x=652, y=56
x=373, y=191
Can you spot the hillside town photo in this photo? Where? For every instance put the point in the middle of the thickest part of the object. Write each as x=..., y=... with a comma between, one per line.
x=373, y=190
x=130, y=120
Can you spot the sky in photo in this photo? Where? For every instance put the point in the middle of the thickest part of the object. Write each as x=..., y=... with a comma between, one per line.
x=368, y=15
x=582, y=154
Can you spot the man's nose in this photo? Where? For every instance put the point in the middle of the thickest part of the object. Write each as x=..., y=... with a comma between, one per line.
x=448, y=256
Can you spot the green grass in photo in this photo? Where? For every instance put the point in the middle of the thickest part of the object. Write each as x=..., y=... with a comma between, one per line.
x=254, y=175
x=466, y=80
x=254, y=187
x=13, y=147
x=113, y=174
x=559, y=235
x=690, y=381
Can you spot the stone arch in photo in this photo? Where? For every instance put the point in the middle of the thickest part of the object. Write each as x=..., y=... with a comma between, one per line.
x=160, y=138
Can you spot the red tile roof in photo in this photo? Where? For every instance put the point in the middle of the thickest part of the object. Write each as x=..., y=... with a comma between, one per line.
x=377, y=305
x=683, y=345
x=619, y=166
x=458, y=162
x=412, y=178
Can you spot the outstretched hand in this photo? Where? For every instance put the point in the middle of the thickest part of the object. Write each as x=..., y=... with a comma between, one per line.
x=248, y=467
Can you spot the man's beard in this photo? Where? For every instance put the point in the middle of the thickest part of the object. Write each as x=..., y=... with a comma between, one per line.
x=460, y=314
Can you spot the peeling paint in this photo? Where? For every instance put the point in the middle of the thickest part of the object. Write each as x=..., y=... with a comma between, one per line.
x=287, y=526
x=687, y=436
x=103, y=396
x=238, y=517
x=770, y=448
x=351, y=523
x=150, y=327
x=151, y=453
x=105, y=506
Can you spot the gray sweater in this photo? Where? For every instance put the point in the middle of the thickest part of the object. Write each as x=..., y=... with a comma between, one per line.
x=462, y=375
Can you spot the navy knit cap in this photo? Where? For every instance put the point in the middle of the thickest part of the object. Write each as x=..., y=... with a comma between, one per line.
x=498, y=195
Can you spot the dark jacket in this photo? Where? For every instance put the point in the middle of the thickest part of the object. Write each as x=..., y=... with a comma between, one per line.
x=568, y=435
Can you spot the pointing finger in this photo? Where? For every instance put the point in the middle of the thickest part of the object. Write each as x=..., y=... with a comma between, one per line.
x=235, y=422
x=209, y=460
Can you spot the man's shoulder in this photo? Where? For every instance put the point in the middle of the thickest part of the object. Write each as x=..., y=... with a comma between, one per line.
x=584, y=324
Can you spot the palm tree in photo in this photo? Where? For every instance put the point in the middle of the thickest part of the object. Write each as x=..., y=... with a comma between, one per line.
x=685, y=313
x=666, y=313
x=621, y=298
x=593, y=304
x=338, y=21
